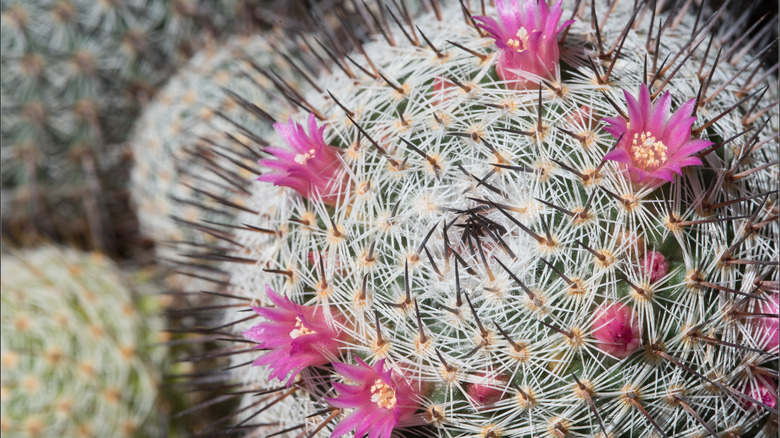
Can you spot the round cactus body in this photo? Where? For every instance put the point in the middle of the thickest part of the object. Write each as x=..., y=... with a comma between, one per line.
x=583, y=247
x=77, y=348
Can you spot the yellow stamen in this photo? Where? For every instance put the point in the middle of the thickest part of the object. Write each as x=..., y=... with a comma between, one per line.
x=521, y=43
x=303, y=158
x=300, y=330
x=647, y=152
x=383, y=395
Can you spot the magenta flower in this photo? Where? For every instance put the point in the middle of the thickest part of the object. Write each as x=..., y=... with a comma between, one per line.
x=294, y=336
x=616, y=329
x=654, y=265
x=527, y=35
x=765, y=328
x=654, y=145
x=311, y=167
x=381, y=399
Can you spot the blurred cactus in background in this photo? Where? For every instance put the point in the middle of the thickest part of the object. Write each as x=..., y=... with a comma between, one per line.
x=79, y=354
x=74, y=73
x=192, y=146
x=176, y=178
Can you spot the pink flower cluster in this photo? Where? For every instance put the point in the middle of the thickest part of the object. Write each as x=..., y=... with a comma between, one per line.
x=310, y=167
x=654, y=146
x=527, y=35
x=296, y=337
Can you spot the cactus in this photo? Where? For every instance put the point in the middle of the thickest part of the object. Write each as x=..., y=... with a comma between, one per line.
x=77, y=348
x=74, y=73
x=583, y=248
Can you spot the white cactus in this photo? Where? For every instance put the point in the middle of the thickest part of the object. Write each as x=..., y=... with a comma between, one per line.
x=460, y=231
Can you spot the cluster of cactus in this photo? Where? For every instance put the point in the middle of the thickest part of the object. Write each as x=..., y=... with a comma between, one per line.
x=560, y=223
x=78, y=348
x=74, y=74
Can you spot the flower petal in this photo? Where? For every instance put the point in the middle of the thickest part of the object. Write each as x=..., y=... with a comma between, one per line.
x=659, y=113
x=347, y=425
x=355, y=373
x=634, y=111
x=619, y=155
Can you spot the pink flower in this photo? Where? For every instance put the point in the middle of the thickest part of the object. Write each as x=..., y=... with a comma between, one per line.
x=765, y=328
x=654, y=265
x=487, y=390
x=382, y=399
x=527, y=36
x=295, y=336
x=582, y=116
x=616, y=329
x=311, y=167
x=654, y=145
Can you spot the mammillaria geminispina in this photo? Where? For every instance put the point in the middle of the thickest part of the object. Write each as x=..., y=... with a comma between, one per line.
x=516, y=254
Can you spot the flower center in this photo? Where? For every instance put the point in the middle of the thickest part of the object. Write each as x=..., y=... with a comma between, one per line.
x=648, y=153
x=521, y=43
x=299, y=329
x=303, y=158
x=383, y=395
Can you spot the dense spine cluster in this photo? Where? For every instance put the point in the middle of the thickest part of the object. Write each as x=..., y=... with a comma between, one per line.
x=485, y=246
x=78, y=348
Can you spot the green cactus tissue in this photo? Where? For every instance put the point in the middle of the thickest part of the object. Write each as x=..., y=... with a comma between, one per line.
x=521, y=220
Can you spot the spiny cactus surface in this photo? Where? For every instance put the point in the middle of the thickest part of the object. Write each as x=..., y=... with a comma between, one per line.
x=77, y=348
x=580, y=246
